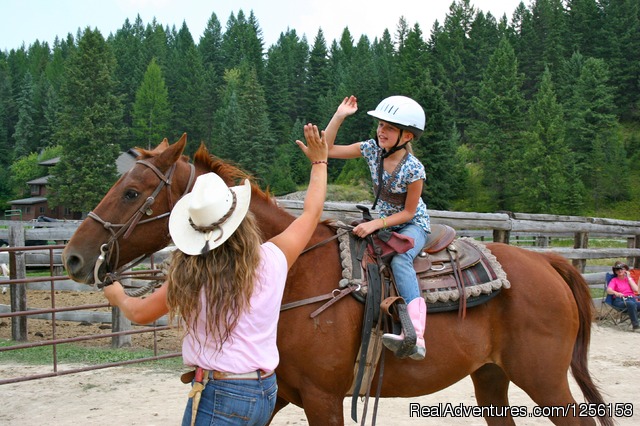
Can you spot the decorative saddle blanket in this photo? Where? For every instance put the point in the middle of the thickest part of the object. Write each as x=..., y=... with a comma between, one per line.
x=437, y=266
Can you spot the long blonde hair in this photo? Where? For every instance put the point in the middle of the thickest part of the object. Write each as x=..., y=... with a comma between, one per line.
x=226, y=274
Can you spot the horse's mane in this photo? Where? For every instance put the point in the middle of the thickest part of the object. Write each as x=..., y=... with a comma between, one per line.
x=231, y=174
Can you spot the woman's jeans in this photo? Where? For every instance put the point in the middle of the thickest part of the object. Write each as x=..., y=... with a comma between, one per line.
x=235, y=402
x=402, y=264
x=630, y=304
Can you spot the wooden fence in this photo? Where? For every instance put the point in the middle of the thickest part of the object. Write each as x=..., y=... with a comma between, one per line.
x=533, y=232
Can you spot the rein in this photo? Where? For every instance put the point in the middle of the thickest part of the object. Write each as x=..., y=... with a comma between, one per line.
x=112, y=247
x=336, y=294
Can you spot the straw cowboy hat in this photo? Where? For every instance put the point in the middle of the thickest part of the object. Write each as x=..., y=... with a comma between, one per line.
x=208, y=215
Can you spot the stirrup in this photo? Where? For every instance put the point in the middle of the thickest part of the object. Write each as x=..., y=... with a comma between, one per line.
x=392, y=341
x=418, y=353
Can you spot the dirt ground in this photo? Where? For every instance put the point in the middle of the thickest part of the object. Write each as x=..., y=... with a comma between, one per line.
x=37, y=330
x=150, y=396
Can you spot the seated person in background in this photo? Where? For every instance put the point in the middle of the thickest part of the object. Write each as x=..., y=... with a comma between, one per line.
x=624, y=289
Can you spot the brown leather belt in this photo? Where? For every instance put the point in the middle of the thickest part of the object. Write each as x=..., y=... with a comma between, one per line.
x=221, y=375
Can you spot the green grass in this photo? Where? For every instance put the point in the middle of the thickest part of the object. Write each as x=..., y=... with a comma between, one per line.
x=75, y=354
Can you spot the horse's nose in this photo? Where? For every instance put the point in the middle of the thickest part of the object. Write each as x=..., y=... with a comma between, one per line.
x=73, y=262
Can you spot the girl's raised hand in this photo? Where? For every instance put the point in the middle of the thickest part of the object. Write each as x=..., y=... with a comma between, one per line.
x=348, y=106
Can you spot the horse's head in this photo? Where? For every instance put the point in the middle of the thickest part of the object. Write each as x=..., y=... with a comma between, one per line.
x=131, y=220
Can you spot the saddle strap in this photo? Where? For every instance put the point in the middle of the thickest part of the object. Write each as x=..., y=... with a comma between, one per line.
x=367, y=325
x=375, y=352
x=460, y=281
x=388, y=302
x=337, y=295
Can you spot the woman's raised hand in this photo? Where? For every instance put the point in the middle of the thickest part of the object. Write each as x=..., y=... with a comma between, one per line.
x=316, y=148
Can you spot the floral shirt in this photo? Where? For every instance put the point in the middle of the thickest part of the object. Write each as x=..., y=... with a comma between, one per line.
x=410, y=170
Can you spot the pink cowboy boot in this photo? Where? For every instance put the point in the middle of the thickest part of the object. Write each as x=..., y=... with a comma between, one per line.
x=417, y=310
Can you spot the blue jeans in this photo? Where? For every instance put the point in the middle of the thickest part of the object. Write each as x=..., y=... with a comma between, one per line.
x=402, y=264
x=630, y=304
x=235, y=402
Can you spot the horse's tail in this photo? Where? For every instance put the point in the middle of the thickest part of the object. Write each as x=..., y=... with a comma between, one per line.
x=579, y=358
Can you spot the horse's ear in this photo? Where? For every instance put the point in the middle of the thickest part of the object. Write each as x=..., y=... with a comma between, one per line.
x=160, y=147
x=171, y=154
x=182, y=141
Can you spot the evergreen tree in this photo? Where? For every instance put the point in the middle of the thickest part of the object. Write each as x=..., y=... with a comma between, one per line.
x=89, y=126
x=411, y=62
x=451, y=58
x=318, y=82
x=55, y=70
x=359, y=80
x=242, y=42
x=546, y=162
x=17, y=68
x=151, y=111
x=340, y=57
x=210, y=48
x=383, y=62
x=484, y=38
x=584, y=21
x=544, y=44
x=185, y=79
x=622, y=54
x=285, y=76
x=50, y=122
x=127, y=48
x=39, y=56
x=496, y=135
x=280, y=177
x=155, y=44
x=25, y=134
x=5, y=150
x=226, y=126
x=592, y=132
x=242, y=124
x=298, y=167
x=257, y=147
x=437, y=146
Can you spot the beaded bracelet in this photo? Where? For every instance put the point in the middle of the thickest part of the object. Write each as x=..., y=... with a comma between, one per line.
x=319, y=162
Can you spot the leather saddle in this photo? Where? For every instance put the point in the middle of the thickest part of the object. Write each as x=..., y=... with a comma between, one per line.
x=443, y=254
x=446, y=268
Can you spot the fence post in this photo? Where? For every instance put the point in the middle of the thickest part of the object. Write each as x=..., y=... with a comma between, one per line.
x=633, y=242
x=18, y=268
x=580, y=240
x=120, y=323
x=542, y=240
x=501, y=236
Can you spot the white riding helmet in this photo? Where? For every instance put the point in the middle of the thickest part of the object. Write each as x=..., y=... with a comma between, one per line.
x=402, y=112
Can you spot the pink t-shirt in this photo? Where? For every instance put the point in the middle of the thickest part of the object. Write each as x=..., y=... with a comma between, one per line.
x=621, y=286
x=252, y=344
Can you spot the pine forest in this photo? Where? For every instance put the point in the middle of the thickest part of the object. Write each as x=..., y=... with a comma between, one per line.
x=535, y=112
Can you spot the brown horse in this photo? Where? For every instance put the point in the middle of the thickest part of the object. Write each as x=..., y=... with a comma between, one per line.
x=530, y=334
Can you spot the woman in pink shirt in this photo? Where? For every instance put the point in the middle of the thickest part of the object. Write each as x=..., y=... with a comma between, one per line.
x=226, y=288
x=624, y=289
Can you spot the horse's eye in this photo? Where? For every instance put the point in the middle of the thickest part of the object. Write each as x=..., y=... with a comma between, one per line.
x=130, y=195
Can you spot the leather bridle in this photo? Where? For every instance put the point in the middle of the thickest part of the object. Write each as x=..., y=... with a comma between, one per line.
x=112, y=247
